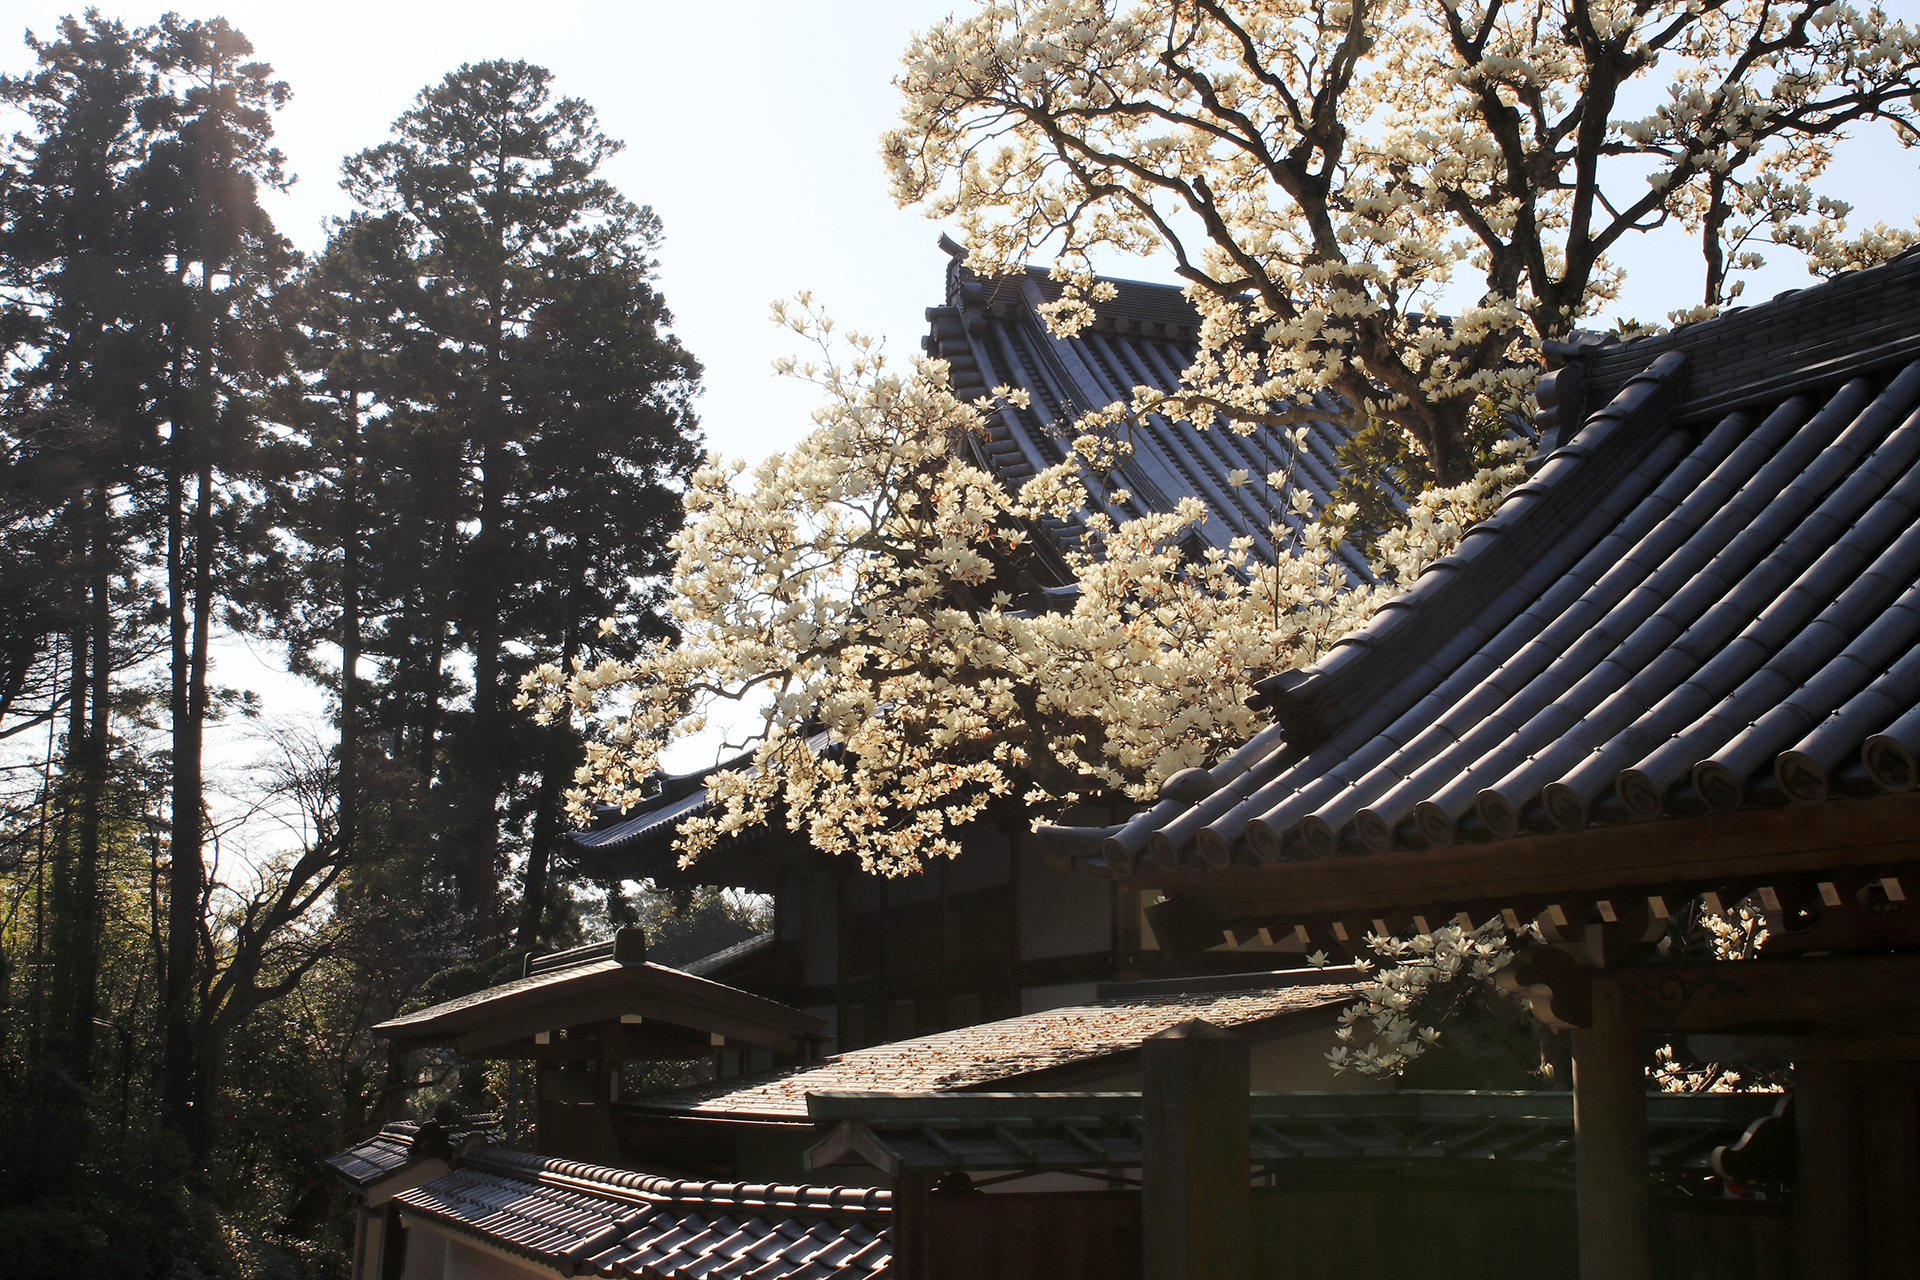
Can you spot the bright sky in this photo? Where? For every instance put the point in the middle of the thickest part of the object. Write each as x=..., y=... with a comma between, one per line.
x=751, y=128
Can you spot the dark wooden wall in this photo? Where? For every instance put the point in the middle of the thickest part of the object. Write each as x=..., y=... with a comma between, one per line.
x=1435, y=1228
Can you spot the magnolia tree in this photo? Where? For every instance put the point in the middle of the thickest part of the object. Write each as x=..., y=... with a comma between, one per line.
x=847, y=588
x=1322, y=171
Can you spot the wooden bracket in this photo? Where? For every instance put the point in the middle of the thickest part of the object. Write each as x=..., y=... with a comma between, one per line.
x=1554, y=984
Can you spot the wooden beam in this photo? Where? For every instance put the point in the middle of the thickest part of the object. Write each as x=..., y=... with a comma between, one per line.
x=1613, y=1198
x=1755, y=845
x=1196, y=1206
x=1794, y=993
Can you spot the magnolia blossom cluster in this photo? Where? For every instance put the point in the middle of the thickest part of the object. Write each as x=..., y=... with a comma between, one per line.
x=1735, y=934
x=1381, y=1033
x=853, y=587
x=1321, y=170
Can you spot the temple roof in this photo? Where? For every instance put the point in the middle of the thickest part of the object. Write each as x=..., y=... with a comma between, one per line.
x=635, y=843
x=991, y=333
x=580, y=1219
x=1706, y=599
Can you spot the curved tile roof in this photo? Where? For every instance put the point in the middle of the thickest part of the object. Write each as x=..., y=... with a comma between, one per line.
x=647, y=830
x=1678, y=614
x=584, y=1219
x=991, y=334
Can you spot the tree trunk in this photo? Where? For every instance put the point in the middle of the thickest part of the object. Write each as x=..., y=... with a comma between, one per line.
x=351, y=525
x=190, y=599
x=83, y=959
x=184, y=872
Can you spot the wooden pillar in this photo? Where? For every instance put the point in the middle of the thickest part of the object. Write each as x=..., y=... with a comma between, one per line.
x=1610, y=1141
x=606, y=1075
x=360, y=1220
x=912, y=1235
x=1892, y=1176
x=1196, y=1207
x=393, y=1245
x=1830, y=1220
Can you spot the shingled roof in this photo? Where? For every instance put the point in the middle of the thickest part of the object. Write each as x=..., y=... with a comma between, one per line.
x=580, y=1219
x=1103, y=1035
x=991, y=333
x=1706, y=599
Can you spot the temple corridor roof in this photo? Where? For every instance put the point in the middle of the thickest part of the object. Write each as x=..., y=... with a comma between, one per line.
x=1095, y=1038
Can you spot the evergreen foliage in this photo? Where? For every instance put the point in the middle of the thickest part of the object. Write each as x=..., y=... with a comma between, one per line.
x=423, y=460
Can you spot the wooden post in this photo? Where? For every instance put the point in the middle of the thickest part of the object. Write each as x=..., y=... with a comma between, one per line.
x=1829, y=1209
x=1610, y=1141
x=1196, y=1207
x=1892, y=1178
x=912, y=1231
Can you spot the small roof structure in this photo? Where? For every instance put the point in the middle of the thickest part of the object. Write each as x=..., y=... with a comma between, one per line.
x=607, y=981
x=1058, y=1046
x=571, y=1219
x=407, y=1152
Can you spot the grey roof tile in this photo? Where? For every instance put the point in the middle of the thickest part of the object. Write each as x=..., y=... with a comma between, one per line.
x=991, y=333
x=583, y=1219
x=1658, y=623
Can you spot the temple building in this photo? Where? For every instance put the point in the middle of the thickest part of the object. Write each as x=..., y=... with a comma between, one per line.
x=1677, y=671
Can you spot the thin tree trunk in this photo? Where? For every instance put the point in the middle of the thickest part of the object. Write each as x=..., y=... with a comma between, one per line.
x=190, y=598
x=82, y=1000
x=556, y=772
x=352, y=525
x=184, y=833
x=482, y=835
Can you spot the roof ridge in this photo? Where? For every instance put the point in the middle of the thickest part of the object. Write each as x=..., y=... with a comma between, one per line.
x=654, y=1189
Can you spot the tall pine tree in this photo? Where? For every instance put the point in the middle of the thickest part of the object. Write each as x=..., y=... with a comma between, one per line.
x=538, y=389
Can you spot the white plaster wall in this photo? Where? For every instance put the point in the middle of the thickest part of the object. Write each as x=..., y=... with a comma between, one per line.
x=426, y=1254
x=464, y=1262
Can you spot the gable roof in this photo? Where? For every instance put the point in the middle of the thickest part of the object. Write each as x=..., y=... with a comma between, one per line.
x=992, y=333
x=598, y=982
x=1706, y=599
x=580, y=1219
x=1104, y=1036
